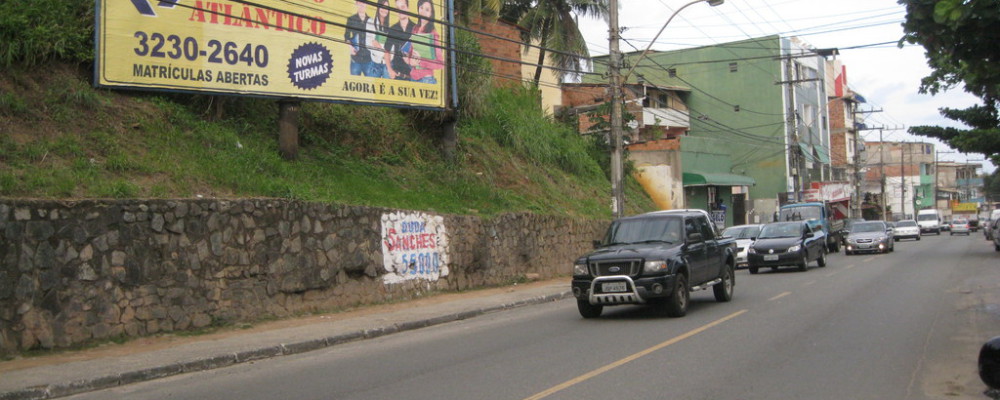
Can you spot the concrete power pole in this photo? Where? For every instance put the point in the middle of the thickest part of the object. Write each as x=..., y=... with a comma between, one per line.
x=881, y=167
x=615, y=86
x=793, y=131
x=902, y=180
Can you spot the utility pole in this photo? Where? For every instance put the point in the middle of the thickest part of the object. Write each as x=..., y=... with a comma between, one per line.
x=881, y=167
x=615, y=86
x=902, y=180
x=793, y=131
x=859, y=140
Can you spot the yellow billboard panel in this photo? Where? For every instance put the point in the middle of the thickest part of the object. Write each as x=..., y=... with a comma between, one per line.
x=341, y=50
x=965, y=207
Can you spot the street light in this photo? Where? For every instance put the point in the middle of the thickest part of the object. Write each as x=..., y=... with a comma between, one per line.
x=712, y=3
x=614, y=58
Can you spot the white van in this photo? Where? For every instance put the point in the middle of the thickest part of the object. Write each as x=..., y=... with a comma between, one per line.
x=929, y=221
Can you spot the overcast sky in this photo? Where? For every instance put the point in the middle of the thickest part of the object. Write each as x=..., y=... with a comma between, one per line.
x=887, y=76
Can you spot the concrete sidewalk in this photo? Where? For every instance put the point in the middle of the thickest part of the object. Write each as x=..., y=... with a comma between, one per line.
x=151, y=358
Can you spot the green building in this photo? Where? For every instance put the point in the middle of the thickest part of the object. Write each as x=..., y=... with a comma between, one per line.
x=761, y=107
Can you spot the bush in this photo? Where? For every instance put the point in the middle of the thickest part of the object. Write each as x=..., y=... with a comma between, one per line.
x=36, y=31
x=515, y=121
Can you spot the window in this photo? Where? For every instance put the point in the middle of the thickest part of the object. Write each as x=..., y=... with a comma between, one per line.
x=672, y=72
x=733, y=67
x=690, y=226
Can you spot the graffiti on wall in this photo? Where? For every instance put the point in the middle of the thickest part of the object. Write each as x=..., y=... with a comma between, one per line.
x=414, y=246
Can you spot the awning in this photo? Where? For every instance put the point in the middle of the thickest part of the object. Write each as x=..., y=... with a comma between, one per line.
x=807, y=151
x=824, y=156
x=716, y=179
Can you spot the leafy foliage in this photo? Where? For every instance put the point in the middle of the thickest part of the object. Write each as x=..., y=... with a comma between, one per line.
x=960, y=38
x=552, y=23
x=515, y=121
x=36, y=31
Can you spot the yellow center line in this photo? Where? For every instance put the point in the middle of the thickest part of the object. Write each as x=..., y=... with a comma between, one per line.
x=626, y=360
x=868, y=259
x=809, y=283
x=850, y=266
x=779, y=296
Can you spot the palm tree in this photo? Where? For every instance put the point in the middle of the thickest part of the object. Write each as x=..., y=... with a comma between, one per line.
x=466, y=9
x=553, y=24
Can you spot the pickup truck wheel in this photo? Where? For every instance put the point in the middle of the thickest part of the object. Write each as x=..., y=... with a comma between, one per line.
x=822, y=259
x=588, y=310
x=753, y=270
x=676, y=305
x=724, y=290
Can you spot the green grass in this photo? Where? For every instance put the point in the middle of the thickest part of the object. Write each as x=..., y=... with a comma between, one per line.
x=511, y=158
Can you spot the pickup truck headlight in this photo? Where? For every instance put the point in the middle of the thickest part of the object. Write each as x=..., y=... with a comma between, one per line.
x=580, y=269
x=794, y=248
x=654, y=266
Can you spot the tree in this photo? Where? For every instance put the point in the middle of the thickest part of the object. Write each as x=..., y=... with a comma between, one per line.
x=466, y=9
x=553, y=24
x=960, y=38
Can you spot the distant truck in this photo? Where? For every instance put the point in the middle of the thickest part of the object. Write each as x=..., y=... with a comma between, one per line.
x=929, y=221
x=656, y=259
x=819, y=216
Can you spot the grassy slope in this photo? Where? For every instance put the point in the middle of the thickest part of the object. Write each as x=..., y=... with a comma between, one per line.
x=63, y=139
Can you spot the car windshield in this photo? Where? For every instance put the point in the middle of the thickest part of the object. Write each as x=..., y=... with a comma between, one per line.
x=643, y=230
x=906, y=223
x=742, y=232
x=958, y=222
x=803, y=213
x=868, y=227
x=780, y=230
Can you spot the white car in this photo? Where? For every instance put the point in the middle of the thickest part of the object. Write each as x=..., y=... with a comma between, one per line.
x=745, y=236
x=906, y=229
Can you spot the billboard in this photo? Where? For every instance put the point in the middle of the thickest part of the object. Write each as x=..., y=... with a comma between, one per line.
x=382, y=52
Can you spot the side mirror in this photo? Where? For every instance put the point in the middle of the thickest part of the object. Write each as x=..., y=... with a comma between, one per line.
x=694, y=237
x=989, y=364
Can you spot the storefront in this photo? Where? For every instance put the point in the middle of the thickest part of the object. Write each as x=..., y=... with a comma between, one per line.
x=721, y=194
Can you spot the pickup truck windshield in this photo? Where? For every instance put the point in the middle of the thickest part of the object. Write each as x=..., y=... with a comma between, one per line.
x=927, y=217
x=628, y=231
x=803, y=213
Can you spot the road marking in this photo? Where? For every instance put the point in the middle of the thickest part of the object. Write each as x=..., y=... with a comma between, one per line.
x=809, y=283
x=636, y=356
x=850, y=266
x=779, y=296
x=868, y=259
x=831, y=274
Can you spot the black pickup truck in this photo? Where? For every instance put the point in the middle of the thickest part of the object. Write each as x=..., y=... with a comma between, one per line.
x=656, y=258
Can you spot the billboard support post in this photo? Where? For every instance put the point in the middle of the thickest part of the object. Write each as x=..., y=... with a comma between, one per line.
x=288, y=129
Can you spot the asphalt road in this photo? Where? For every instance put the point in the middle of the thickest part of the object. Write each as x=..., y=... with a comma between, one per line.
x=905, y=325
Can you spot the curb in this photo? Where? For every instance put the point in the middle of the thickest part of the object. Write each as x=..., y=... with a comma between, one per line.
x=62, y=389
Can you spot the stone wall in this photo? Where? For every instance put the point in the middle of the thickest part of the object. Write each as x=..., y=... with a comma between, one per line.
x=74, y=272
